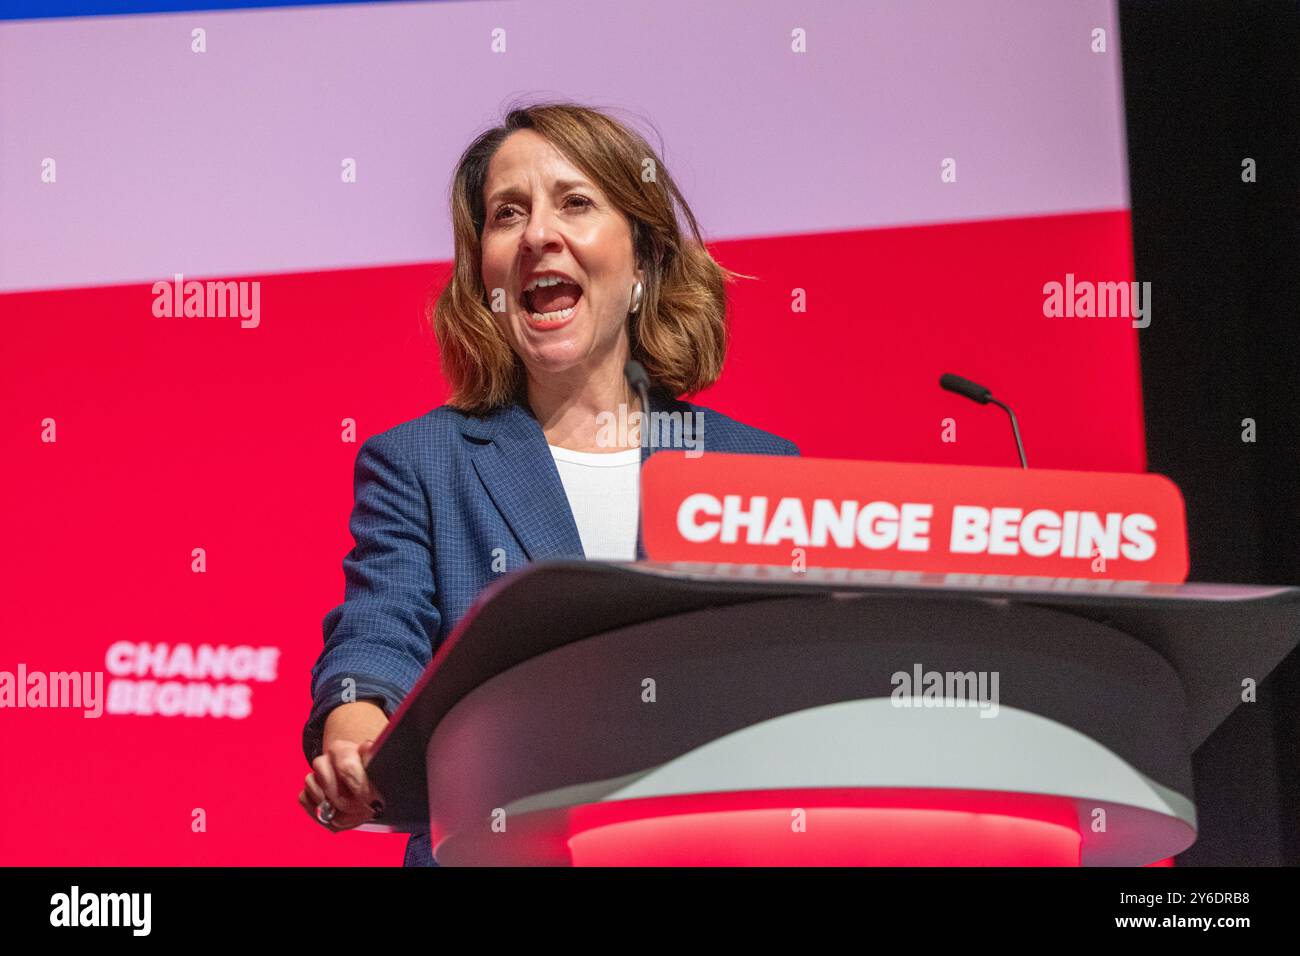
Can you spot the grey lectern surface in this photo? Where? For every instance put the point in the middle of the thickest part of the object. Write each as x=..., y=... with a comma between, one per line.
x=770, y=679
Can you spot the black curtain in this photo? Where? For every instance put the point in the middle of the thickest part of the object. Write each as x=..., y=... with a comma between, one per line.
x=1209, y=85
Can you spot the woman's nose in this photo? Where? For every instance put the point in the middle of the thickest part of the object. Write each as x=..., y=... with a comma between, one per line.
x=541, y=233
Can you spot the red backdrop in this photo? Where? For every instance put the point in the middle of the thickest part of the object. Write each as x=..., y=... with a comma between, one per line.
x=177, y=433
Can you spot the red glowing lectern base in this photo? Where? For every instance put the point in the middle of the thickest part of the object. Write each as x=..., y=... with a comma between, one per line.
x=641, y=714
x=830, y=828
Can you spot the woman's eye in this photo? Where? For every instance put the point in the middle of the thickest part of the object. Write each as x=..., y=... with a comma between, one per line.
x=505, y=213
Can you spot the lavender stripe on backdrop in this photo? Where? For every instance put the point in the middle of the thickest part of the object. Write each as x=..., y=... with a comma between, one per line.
x=228, y=162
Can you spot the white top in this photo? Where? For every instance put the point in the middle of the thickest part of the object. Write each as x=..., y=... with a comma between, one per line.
x=602, y=490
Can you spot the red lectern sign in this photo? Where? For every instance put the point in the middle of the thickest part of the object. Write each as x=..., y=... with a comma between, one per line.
x=756, y=509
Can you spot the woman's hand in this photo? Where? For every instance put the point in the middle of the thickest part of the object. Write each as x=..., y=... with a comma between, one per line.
x=338, y=775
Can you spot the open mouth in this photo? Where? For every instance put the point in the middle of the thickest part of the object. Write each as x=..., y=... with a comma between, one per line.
x=551, y=299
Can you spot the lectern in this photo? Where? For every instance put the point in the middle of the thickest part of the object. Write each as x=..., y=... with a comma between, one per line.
x=667, y=713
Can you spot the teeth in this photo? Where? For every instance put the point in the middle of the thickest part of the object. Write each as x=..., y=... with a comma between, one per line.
x=553, y=316
x=543, y=281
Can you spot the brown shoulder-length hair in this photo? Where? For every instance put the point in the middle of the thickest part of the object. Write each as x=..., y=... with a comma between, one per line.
x=680, y=331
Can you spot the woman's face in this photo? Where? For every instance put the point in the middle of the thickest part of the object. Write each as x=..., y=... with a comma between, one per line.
x=546, y=220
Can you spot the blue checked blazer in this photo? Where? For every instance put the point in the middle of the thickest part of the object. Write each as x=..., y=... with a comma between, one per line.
x=435, y=498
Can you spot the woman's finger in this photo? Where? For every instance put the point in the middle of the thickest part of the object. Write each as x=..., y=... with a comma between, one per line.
x=342, y=795
x=310, y=804
x=324, y=769
x=311, y=798
x=314, y=792
x=352, y=778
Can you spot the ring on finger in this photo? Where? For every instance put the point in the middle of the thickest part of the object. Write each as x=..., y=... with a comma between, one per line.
x=325, y=813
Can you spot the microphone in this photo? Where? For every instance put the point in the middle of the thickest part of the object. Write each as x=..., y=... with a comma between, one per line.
x=639, y=379
x=978, y=393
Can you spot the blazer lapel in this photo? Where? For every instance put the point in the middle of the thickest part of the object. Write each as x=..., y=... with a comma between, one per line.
x=514, y=463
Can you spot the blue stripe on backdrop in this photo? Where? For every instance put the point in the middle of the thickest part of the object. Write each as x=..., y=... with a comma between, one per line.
x=53, y=9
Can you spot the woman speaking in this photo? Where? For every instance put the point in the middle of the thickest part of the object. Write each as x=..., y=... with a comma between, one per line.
x=570, y=260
